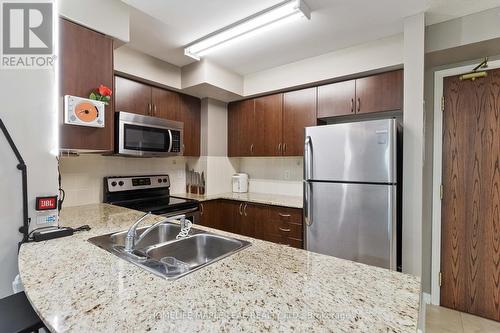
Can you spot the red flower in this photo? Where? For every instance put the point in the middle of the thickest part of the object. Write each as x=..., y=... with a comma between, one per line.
x=104, y=91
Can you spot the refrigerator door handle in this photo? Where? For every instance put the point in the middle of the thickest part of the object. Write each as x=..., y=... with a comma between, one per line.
x=307, y=185
x=393, y=238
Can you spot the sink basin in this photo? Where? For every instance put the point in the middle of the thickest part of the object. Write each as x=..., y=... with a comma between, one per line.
x=164, y=255
x=197, y=250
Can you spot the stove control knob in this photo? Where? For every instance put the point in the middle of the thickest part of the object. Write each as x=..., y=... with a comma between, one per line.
x=120, y=183
x=164, y=180
x=159, y=180
x=113, y=184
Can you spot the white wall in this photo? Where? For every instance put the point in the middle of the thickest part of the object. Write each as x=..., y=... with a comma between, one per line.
x=413, y=138
x=82, y=176
x=110, y=17
x=29, y=111
x=135, y=63
x=375, y=55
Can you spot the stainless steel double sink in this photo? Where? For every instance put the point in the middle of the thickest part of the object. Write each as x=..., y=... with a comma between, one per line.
x=160, y=253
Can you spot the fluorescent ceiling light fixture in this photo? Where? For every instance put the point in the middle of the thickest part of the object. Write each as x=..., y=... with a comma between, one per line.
x=265, y=18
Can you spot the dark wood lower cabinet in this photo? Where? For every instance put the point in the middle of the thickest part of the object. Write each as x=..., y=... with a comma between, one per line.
x=280, y=225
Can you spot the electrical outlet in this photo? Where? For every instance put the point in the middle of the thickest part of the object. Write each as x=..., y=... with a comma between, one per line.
x=287, y=174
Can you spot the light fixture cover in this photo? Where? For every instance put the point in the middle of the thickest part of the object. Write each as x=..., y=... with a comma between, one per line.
x=250, y=24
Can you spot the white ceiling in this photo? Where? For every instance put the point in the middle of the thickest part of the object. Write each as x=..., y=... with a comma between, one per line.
x=162, y=28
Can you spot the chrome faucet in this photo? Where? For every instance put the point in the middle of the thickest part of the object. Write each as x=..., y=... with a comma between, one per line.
x=131, y=240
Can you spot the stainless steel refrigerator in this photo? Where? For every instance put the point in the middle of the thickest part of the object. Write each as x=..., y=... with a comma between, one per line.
x=352, y=191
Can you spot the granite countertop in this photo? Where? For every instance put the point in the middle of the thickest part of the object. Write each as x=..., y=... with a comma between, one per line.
x=75, y=286
x=261, y=198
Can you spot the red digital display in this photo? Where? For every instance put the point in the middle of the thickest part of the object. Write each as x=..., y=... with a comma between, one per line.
x=46, y=203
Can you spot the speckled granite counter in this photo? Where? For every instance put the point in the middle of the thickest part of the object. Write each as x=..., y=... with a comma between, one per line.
x=76, y=287
x=261, y=198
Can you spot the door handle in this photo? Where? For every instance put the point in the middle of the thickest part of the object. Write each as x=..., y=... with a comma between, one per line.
x=359, y=104
x=241, y=209
x=352, y=105
x=279, y=148
x=149, y=109
x=202, y=210
x=251, y=148
x=284, y=147
x=307, y=184
x=284, y=215
x=245, y=209
x=154, y=110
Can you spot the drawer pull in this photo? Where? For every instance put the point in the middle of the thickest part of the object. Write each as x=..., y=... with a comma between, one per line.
x=285, y=230
x=284, y=215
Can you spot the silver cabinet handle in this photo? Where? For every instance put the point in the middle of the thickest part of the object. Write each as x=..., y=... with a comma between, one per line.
x=284, y=230
x=284, y=215
x=154, y=110
x=202, y=210
x=251, y=148
x=245, y=209
x=284, y=147
x=149, y=109
x=279, y=148
x=359, y=104
x=241, y=208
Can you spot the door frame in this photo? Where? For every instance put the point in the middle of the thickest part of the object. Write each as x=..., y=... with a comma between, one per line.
x=437, y=172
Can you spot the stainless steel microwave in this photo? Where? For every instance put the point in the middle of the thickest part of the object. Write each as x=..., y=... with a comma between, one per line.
x=144, y=136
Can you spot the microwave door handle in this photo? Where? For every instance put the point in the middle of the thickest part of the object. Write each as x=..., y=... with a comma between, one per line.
x=171, y=143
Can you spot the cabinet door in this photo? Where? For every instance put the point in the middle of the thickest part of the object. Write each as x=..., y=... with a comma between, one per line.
x=209, y=213
x=166, y=104
x=253, y=215
x=378, y=93
x=299, y=112
x=133, y=97
x=231, y=213
x=241, y=128
x=267, y=140
x=86, y=62
x=336, y=99
x=190, y=114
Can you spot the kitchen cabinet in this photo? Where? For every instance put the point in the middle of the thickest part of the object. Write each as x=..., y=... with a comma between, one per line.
x=271, y=125
x=379, y=93
x=241, y=128
x=336, y=99
x=376, y=93
x=86, y=61
x=299, y=112
x=165, y=104
x=140, y=98
x=132, y=96
x=267, y=139
x=272, y=223
x=190, y=115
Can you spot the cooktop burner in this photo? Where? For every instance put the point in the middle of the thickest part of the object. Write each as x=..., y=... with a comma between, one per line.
x=147, y=194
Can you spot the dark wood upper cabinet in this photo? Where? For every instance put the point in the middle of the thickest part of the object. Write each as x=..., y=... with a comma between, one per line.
x=299, y=112
x=86, y=62
x=336, y=99
x=241, y=128
x=378, y=93
x=166, y=104
x=133, y=97
x=190, y=115
x=267, y=141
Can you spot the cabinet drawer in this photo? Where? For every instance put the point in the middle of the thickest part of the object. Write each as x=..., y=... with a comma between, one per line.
x=293, y=242
x=289, y=230
x=285, y=215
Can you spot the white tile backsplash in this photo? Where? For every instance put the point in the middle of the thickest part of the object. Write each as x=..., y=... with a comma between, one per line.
x=82, y=176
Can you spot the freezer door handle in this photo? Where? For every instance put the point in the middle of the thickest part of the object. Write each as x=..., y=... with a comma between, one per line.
x=307, y=158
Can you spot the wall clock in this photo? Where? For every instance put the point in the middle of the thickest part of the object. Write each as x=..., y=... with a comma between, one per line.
x=83, y=112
